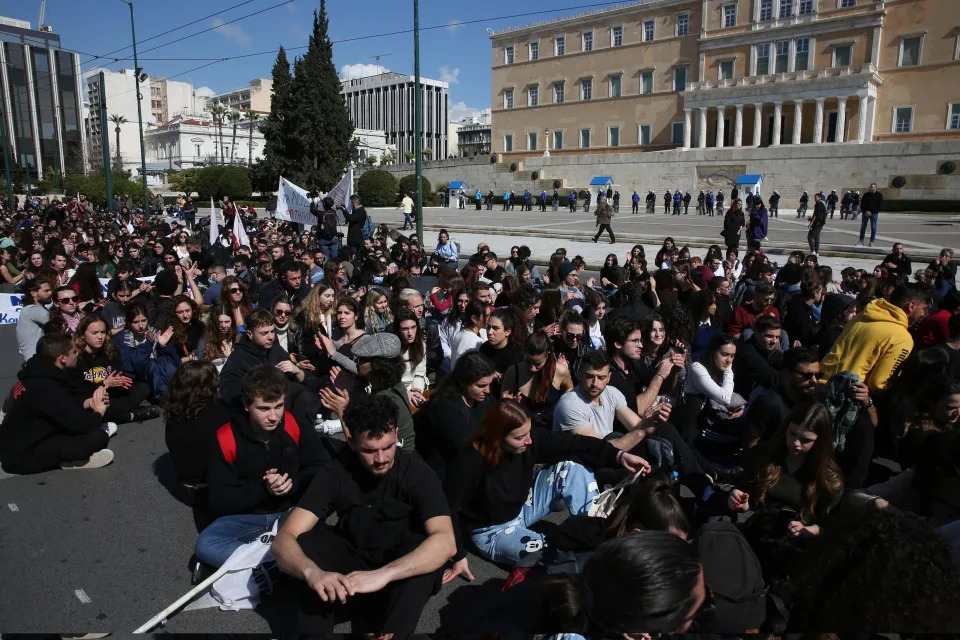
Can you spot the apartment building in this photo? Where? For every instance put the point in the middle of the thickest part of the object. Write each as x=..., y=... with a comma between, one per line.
x=715, y=73
x=255, y=97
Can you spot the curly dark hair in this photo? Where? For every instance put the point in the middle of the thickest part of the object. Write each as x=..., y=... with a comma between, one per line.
x=877, y=571
x=194, y=386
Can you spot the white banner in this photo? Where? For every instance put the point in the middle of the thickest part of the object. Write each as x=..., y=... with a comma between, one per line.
x=344, y=189
x=10, y=306
x=214, y=225
x=293, y=203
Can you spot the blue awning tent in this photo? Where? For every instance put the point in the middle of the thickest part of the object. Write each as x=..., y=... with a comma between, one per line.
x=749, y=179
x=601, y=181
x=458, y=184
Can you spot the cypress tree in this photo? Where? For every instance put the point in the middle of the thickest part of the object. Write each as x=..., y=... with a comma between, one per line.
x=278, y=130
x=323, y=128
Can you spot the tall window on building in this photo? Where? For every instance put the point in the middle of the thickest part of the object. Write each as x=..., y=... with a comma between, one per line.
x=615, y=86
x=558, y=139
x=842, y=55
x=648, y=27
x=584, y=138
x=802, y=59
x=683, y=24
x=198, y=150
x=558, y=92
x=763, y=59
x=532, y=141
x=534, y=50
x=730, y=15
x=643, y=135
x=508, y=99
x=588, y=40
x=902, y=119
x=766, y=10
x=559, y=45
x=805, y=7
x=783, y=56
x=953, y=116
x=676, y=133
x=508, y=55
x=726, y=70
x=533, y=96
x=508, y=142
x=646, y=82
x=586, y=89
x=680, y=79
x=613, y=136
x=616, y=36
x=786, y=8
x=910, y=51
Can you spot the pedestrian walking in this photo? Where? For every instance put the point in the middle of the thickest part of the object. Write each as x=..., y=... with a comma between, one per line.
x=604, y=214
x=802, y=209
x=871, y=203
x=759, y=219
x=733, y=224
x=774, y=203
x=635, y=200
x=817, y=222
x=407, y=205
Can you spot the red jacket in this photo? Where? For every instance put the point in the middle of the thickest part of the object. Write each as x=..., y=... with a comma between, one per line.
x=744, y=316
x=933, y=328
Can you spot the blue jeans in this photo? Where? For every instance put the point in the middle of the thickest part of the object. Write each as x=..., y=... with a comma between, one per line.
x=228, y=533
x=513, y=543
x=873, y=225
x=407, y=220
x=330, y=247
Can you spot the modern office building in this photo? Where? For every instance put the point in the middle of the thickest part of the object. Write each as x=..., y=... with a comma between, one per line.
x=41, y=107
x=385, y=102
x=664, y=74
x=255, y=97
x=474, y=139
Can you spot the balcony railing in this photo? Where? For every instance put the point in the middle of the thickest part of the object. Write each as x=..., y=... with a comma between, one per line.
x=810, y=74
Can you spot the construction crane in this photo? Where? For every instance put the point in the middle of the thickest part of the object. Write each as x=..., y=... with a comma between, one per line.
x=43, y=10
x=377, y=58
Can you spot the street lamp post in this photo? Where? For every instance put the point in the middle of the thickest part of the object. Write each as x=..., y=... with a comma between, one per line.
x=136, y=83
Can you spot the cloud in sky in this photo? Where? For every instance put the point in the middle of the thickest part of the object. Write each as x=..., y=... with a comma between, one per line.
x=454, y=25
x=231, y=32
x=457, y=111
x=451, y=76
x=360, y=70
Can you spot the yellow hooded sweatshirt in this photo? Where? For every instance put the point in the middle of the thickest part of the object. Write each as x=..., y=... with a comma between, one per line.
x=872, y=345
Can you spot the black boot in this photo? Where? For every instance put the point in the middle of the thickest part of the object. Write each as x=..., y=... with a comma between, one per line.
x=149, y=412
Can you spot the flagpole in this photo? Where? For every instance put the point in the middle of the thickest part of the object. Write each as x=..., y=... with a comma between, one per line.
x=418, y=144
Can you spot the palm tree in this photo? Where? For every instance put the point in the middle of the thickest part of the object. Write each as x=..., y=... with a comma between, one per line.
x=118, y=120
x=234, y=117
x=218, y=111
x=252, y=117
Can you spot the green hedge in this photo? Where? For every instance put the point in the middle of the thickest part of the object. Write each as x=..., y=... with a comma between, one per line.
x=94, y=185
x=377, y=188
x=408, y=184
x=223, y=181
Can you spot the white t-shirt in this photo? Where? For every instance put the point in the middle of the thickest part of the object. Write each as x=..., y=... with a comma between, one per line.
x=575, y=411
x=407, y=204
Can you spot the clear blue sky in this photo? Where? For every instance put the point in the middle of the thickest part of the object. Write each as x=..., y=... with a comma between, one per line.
x=458, y=54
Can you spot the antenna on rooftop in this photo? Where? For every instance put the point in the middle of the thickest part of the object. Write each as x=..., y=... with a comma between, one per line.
x=377, y=58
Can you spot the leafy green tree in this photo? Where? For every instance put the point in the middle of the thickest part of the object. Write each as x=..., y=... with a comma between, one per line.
x=234, y=117
x=408, y=183
x=184, y=181
x=377, y=188
x=409, y=155
x=371, y=160
x=280, y=143
x=219, y=112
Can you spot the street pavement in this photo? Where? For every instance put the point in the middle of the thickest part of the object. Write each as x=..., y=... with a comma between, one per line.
x=107, y=549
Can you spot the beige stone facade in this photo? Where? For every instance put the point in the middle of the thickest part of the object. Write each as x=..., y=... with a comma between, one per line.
x=666, y=74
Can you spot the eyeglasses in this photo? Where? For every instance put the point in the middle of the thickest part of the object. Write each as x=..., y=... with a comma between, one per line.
x=71, y=299
x=636, y=341
x=281, y=312
x=806, y=375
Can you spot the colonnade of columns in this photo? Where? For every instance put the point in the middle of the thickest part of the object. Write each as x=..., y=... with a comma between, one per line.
x=863, y=133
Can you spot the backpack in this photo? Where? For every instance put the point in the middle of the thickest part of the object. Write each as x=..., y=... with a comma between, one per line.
x=328, y=226
x=228, y=441
x=368, y=228
x=732, y=570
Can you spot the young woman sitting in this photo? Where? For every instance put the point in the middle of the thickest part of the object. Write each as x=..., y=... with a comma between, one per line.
x=538, y=382
x=219, y=337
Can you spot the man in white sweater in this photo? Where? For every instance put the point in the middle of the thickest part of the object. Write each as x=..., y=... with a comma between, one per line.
x=33, y=316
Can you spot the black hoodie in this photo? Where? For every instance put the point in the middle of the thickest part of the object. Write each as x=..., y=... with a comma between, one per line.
x=245, y=356
x=44, y=405
x=236, y=485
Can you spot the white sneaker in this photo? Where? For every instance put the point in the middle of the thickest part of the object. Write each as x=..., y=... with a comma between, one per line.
x=110, y=428
x=859, y=244
x=99, y=459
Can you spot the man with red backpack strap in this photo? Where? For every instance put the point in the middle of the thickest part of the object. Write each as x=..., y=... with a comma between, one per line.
x=260, y=463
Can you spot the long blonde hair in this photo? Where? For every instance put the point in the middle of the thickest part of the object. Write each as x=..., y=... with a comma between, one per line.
x=374, y=296
x=312, y=309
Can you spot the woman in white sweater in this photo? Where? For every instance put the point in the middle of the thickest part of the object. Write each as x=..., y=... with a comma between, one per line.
x=709, y=385
x=472, y=333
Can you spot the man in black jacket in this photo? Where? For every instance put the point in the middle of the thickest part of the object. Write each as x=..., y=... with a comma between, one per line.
x=355, y=219
x=758, y=357
x=259, y=347
x=260, y=463
x=870, y=207
x=48, y=426
x=385, y=556
x=897, y=262
x=289, y=281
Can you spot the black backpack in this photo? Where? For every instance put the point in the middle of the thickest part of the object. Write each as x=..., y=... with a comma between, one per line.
x=733, y=573
x=328, y=225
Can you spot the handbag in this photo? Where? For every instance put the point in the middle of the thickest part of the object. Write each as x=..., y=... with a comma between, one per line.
x=604, y=502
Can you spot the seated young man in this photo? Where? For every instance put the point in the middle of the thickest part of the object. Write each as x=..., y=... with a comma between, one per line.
x=385, y=557
x=259, y=463
x=47, y=425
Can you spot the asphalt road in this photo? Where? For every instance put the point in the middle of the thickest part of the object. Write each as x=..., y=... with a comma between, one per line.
x=107, y=549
